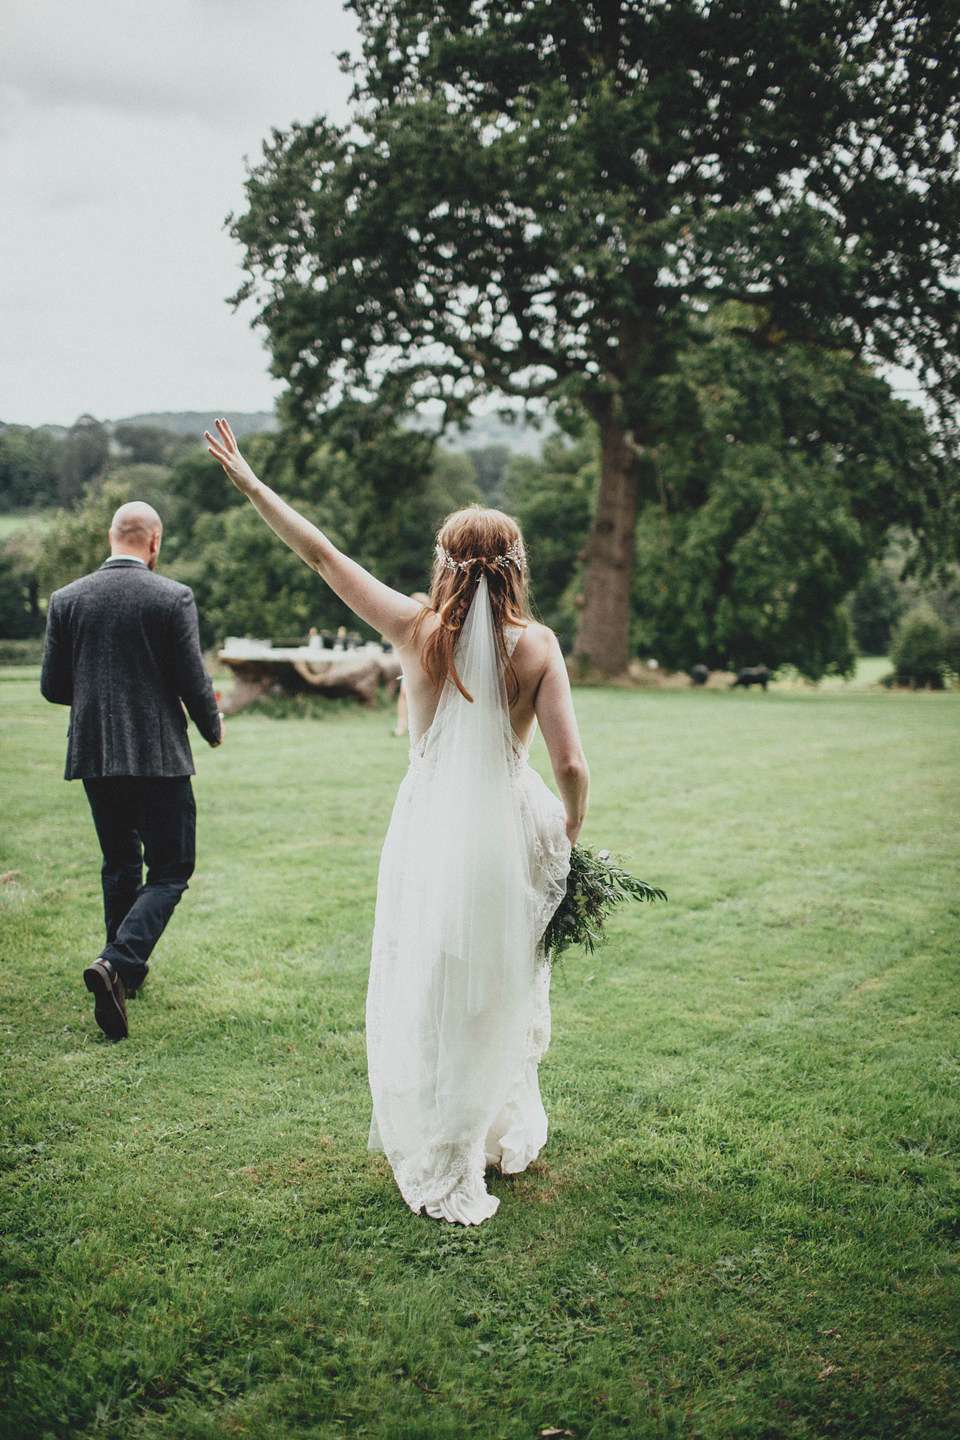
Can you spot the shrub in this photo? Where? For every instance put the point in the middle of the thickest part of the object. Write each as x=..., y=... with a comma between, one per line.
x=875, y=607
x=919, y=649
x=951, y=649
x=20, y=614
x=21, y=652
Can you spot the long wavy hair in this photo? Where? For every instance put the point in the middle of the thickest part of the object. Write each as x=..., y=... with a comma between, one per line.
x=477, y=541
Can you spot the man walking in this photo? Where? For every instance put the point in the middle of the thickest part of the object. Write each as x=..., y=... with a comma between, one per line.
x=123, y=650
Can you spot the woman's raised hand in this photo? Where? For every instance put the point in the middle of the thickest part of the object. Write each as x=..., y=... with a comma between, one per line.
x=227, y=452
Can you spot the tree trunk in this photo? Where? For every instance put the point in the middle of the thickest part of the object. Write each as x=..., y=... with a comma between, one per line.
x=603, y=634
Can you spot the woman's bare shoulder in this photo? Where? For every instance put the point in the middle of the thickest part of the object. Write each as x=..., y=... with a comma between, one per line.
x=539, y=634
x=536, y=646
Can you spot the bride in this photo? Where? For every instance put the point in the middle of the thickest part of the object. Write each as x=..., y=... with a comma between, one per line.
x=475, y=859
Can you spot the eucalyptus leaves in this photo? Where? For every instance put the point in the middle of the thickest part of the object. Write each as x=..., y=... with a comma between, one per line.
x=595, y=887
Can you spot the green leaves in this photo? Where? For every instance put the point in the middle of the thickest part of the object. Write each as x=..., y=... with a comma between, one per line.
x=782, y=468
x=596, y=885
x=544, y=201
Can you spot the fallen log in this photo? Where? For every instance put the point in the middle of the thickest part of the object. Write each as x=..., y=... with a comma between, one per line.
x=261, y=668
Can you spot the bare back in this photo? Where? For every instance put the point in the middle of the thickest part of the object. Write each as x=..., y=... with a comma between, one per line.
x=543, y=691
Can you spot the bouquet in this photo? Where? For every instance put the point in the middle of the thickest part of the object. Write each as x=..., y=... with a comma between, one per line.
x=595, y=886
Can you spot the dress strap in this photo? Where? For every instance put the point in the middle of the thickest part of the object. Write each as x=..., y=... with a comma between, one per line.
x=511, y=634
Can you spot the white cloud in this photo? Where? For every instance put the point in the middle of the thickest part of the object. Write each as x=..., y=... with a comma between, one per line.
x=123, y=131
x=198, y=59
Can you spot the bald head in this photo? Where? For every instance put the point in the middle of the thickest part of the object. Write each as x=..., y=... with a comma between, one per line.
x=136, y=529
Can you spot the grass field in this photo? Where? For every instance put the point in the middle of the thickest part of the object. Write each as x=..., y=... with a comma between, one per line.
x=23, y=520
x=746, y=1221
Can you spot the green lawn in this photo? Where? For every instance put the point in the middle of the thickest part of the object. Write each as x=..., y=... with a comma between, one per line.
x=11, y=524
x=746, y=1220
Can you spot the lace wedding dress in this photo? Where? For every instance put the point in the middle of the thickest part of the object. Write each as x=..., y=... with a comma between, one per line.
x=474, y=865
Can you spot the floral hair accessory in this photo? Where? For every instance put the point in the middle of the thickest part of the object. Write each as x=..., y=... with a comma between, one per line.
x=515, y=555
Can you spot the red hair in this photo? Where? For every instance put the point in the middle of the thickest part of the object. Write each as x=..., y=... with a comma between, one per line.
x=471, y=543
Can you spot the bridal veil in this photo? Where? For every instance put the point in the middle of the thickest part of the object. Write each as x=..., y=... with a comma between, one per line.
x=473, y=866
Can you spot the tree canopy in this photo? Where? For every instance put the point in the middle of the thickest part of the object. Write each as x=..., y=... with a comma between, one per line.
x=547, y=199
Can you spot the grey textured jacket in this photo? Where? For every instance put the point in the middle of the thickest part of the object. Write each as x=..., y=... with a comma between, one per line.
x=122, y=650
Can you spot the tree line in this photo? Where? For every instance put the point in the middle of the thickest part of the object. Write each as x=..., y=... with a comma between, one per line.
x=381, y=495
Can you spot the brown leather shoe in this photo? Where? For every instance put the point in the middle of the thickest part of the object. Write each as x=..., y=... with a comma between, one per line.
x=109, y=1009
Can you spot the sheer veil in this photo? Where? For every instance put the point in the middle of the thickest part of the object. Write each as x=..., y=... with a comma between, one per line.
x=461, y=907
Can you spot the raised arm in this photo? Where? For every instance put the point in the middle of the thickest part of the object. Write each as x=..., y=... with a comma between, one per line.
x=388, y=611
x=558, y=725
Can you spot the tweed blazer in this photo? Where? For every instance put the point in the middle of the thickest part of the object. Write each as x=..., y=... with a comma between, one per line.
x=123, y=650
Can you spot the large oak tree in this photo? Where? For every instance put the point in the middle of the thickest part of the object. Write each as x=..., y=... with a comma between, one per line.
x=543, y=199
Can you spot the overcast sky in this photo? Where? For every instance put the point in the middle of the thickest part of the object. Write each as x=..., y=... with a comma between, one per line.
x=124, y=125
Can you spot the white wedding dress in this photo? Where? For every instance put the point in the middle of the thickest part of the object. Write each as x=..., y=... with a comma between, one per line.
x=473, y=866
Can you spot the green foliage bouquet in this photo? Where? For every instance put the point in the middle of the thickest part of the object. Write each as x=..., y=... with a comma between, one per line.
x=595, y=886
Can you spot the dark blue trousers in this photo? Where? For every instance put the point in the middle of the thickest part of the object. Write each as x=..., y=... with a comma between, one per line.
x=141, y=820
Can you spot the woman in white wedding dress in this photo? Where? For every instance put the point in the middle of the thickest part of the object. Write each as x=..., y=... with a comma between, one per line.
x=475, y=859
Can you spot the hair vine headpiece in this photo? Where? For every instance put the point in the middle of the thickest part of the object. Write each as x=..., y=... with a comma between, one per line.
x=514, y=555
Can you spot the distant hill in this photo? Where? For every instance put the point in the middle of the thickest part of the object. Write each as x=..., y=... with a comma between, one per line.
x=520, y=438
x=483, y=430
x=194, y=422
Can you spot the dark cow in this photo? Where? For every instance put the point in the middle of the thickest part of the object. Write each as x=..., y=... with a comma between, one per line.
x=699, y=675
x=752, y=675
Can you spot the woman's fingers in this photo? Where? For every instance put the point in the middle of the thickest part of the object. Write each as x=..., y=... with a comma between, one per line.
x=216, y=450
x=224, y=448
x=226, y=439
x=227, y=452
